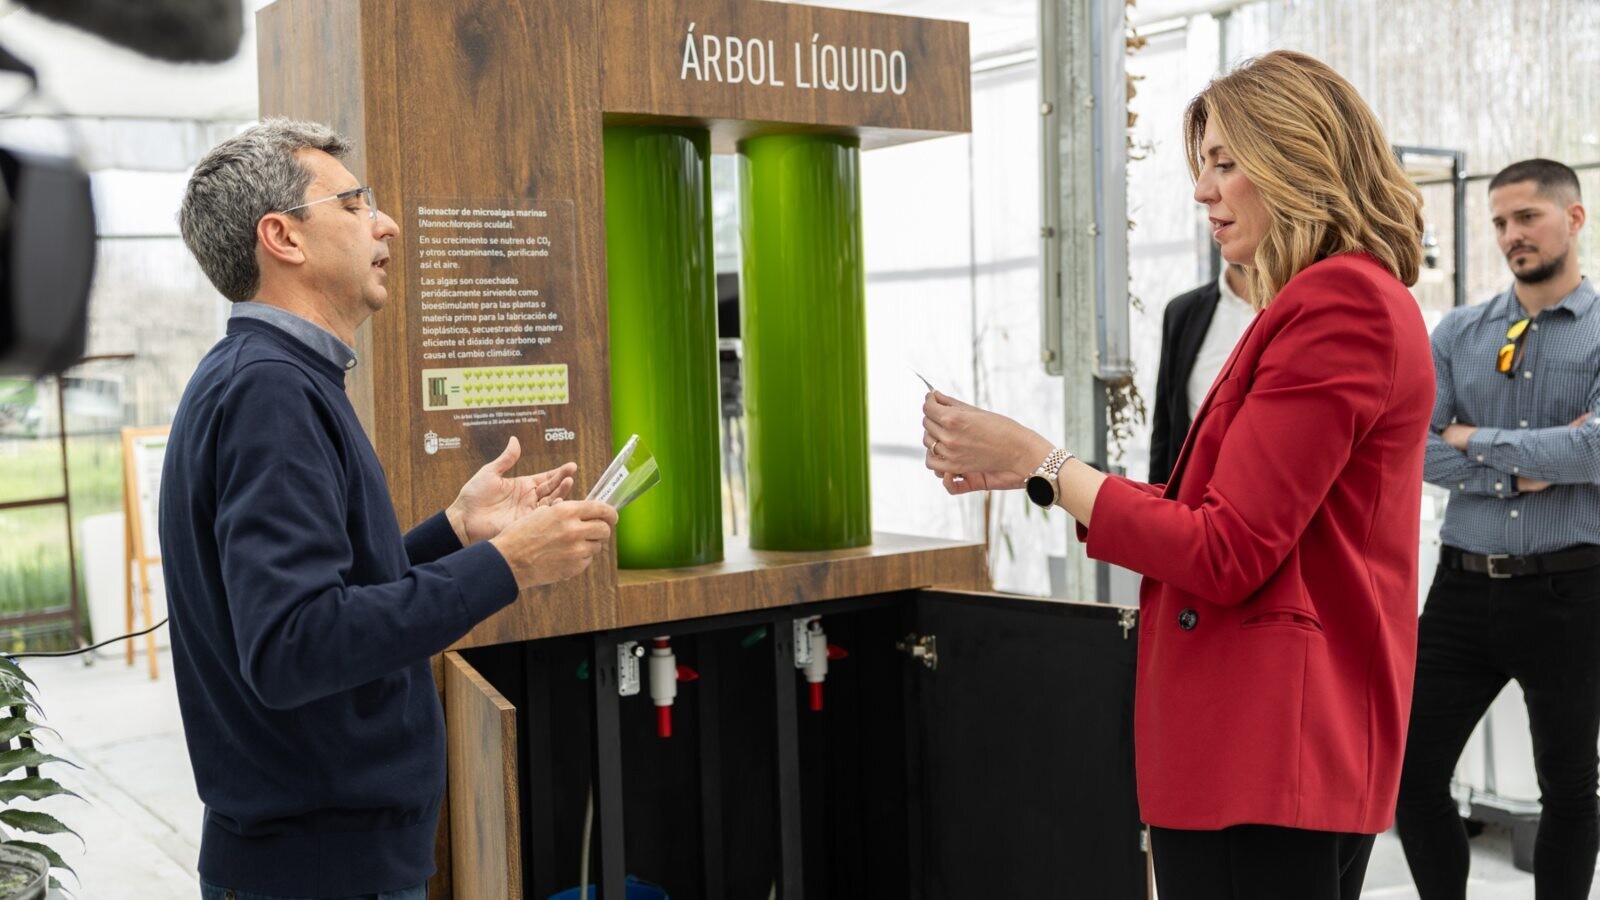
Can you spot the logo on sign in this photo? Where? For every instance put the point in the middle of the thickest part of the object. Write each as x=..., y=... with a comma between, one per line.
x=432, y=443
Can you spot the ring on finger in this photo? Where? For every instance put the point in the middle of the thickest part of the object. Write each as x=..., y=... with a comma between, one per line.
x=935, y=448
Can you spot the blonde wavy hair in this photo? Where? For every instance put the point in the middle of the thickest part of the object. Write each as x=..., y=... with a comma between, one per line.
x=1320, y=160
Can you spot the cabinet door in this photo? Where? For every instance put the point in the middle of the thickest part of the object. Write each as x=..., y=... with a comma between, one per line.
x=481, y=747
x=1026, y=749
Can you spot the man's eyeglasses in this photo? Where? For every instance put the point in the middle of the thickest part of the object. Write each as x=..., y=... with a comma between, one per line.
x=365, y=193
x=1506, y=360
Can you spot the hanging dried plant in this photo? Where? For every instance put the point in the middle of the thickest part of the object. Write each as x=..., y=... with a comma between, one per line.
x=1125, y=406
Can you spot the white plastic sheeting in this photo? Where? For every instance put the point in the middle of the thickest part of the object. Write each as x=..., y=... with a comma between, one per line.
x=952, y=246
x=1499, y=81
x=83, y=75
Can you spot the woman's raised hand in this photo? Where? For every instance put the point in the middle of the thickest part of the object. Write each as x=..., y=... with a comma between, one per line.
x=973, y=449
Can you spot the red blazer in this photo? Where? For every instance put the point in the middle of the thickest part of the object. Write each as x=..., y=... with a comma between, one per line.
x=1278, y=614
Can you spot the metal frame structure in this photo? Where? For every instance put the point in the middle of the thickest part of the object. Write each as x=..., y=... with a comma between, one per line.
x=1458, y=183
x=1083, y=231
x=71, y=613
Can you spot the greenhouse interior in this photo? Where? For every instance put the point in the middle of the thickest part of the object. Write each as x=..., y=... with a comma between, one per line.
x=393, y=395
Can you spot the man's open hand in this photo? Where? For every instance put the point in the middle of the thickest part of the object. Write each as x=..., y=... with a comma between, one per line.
x=489, y=502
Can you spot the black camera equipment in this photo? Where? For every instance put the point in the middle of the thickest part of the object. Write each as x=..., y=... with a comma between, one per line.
x=47, y=230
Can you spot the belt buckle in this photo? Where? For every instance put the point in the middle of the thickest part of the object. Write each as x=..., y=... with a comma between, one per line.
x=1489, y=561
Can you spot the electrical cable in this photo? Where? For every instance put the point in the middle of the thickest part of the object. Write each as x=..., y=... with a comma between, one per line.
x=81, y=650
x=588, y=831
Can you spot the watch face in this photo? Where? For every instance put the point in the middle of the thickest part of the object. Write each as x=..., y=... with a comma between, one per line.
x=1041, y=491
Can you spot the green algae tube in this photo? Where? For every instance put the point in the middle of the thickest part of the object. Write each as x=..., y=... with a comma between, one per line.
x=663, y=323
x=803, y=299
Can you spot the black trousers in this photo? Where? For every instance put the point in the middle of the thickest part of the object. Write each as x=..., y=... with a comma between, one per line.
x=1475, y=634
x=1259, y=862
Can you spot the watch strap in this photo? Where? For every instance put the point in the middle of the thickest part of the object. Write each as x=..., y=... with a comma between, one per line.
x=1053, y=463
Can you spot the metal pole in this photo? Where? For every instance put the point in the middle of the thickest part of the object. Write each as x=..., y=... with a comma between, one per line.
x=608, y=809
x=791, y=867
x=1077, y=86
x=1213, y=250
x=66, y=502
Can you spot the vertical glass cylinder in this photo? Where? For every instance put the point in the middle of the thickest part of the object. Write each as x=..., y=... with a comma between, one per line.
x=803, y=298
x=660, y=283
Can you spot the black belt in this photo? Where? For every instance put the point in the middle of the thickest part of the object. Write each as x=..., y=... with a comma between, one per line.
x=1503, y=565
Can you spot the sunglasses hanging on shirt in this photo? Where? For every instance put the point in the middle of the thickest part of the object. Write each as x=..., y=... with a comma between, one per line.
x=1506, y=360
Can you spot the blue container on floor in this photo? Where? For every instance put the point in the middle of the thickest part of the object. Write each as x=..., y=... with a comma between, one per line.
x=637, y=890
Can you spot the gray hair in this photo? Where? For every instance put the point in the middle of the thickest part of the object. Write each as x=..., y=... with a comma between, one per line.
x=239, y=181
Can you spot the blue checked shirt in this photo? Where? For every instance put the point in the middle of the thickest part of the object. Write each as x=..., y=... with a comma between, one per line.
x=1522, y=426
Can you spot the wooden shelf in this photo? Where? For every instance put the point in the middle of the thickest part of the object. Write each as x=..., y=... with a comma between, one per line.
x=762, y=579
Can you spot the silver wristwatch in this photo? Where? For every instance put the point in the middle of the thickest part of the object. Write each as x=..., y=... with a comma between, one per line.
x=1042, y=487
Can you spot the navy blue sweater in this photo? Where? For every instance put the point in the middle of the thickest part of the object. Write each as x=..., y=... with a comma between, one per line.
x=302, y=625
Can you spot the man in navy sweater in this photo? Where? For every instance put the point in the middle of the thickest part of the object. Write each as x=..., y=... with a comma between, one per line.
x=302, y=618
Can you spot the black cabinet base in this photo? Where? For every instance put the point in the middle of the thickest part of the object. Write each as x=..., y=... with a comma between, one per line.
x=999, y=764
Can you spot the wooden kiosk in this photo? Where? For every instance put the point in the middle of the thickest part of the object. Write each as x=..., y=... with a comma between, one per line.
x=972, y=746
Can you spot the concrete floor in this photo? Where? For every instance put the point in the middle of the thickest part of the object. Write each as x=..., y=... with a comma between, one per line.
x=141, y=821
x=1493, y=876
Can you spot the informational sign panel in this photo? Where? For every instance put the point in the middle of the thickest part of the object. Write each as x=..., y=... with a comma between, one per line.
x=491, y=283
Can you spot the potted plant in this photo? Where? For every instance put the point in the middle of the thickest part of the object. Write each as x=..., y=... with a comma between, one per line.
x=25, y=865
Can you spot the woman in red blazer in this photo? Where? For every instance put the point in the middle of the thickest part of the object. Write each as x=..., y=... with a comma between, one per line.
x=1278, y=610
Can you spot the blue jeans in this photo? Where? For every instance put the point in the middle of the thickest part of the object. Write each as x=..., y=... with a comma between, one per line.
x=212, y=892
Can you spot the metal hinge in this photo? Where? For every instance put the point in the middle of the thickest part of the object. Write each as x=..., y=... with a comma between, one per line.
x=1129, y=620
x=921, y=646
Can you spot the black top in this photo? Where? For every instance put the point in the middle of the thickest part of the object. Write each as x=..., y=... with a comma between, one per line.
x=302, y=626
x=1183, y=330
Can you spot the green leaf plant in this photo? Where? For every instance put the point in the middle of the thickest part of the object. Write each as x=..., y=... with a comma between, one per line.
x=20, y=761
